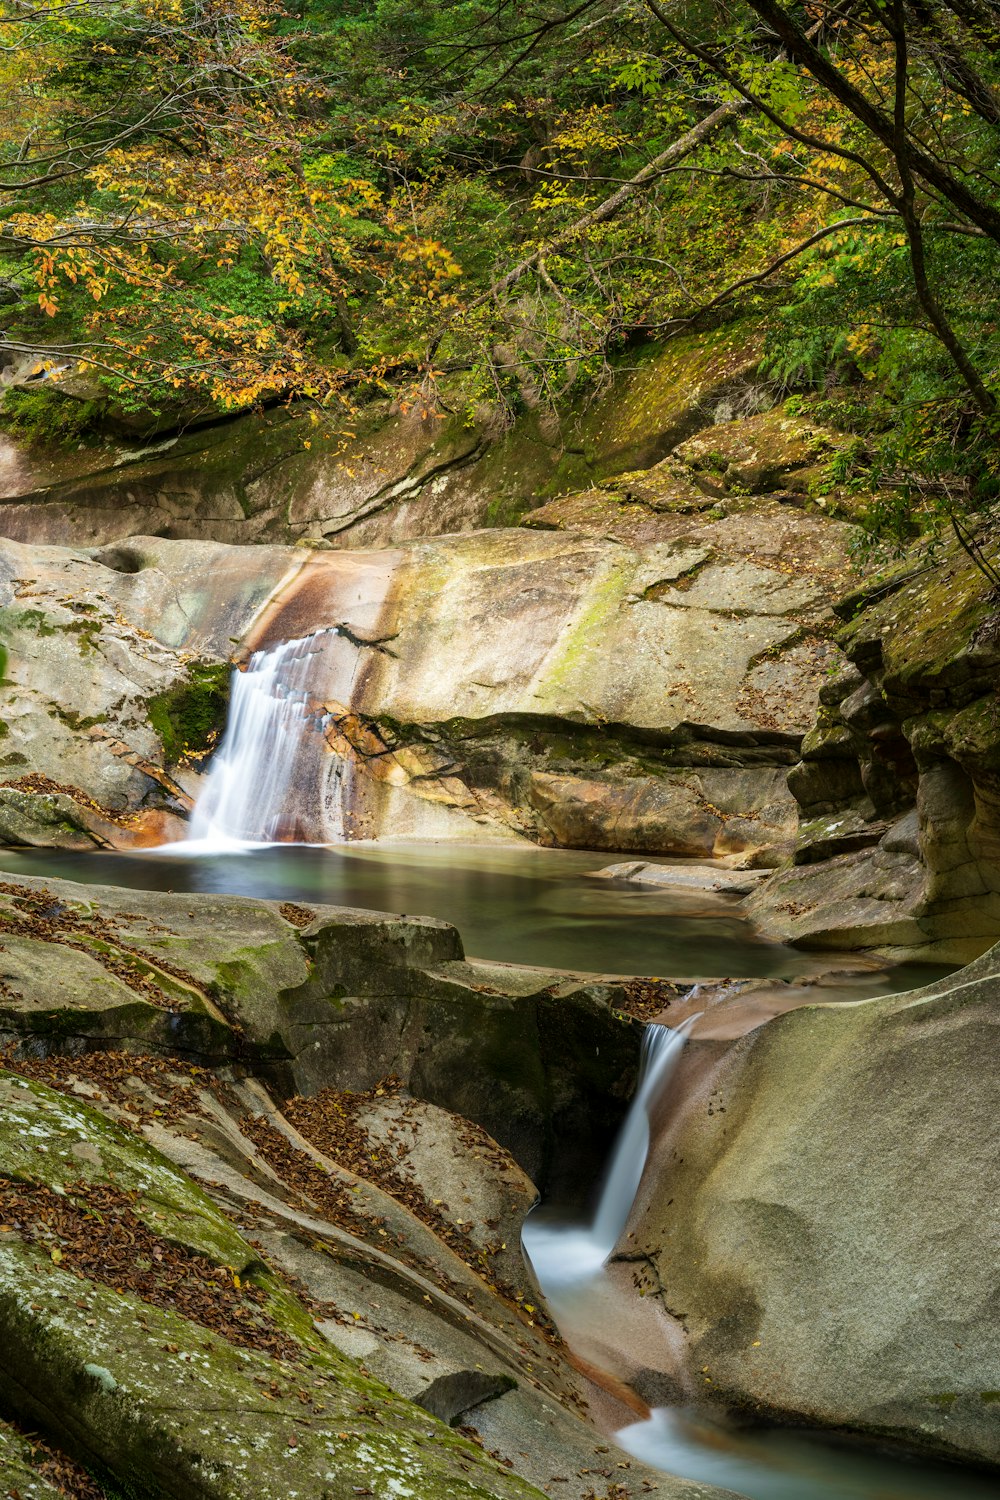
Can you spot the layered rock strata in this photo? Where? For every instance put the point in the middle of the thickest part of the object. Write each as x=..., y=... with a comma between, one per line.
x=605, y=692
x=899, y=785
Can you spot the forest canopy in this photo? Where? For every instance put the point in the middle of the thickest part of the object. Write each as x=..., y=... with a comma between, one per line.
x=239, y=201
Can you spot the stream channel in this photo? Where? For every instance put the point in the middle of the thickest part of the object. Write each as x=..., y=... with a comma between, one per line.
x=524, y=905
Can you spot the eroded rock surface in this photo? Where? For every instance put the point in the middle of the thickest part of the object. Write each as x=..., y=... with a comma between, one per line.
x=336, y=998
x=899, y=785
x=384, y=1266
x=820, y=1220
x=143, y=1354
x=279, y=477
x=573, y=689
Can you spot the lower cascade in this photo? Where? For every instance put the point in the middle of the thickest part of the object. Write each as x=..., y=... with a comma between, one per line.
x=564, y=1258
x=266, y=777
x=603, y=1323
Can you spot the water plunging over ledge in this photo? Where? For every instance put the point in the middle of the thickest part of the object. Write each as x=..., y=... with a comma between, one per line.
x=596, y=1316
x=273, y=778
x=565, y=1259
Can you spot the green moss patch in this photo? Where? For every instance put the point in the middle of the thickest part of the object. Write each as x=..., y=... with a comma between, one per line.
x=41, y=414
x=189, y=717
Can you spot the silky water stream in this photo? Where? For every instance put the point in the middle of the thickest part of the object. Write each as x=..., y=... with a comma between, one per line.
x=273, y=750
x=603, y=1323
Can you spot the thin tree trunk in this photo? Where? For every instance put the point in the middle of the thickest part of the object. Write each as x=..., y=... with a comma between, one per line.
x=645, y=178
x=938, y=318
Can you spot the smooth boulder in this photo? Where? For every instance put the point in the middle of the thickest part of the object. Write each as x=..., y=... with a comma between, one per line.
x=821, y=1220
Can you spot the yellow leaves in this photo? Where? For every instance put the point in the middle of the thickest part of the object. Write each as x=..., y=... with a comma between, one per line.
x=47, y=304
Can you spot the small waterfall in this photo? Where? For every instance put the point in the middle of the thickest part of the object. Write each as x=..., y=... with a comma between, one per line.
x=564, y=1258
x=266, y=778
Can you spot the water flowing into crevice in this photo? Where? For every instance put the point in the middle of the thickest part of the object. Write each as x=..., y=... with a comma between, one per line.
x=612, y=1330
x=272, y=779
x=564, y=1259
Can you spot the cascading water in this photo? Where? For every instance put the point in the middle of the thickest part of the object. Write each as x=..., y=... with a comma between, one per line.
x=600, y=1321
x=266, y=776
x=563, y=1258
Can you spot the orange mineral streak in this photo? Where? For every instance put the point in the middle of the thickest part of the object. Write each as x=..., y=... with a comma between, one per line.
x=334, y=588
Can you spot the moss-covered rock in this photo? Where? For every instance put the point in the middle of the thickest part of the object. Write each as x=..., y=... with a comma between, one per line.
x=344, y=1001
x=23, y=1468
x=907, y=733
x=280, y=477
x=770, y=450
x=190, y=715
x=119, y=1350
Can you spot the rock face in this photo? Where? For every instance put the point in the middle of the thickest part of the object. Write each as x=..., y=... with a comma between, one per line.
x=645, y=694
x=279, y=477
x=899, y=785
x=635, y=668
x=539, y=1060
x=821, y=1220
x=105, y=660
x=118, y=1350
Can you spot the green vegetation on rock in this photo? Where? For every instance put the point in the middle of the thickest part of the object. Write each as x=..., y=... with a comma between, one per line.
x=189, y=716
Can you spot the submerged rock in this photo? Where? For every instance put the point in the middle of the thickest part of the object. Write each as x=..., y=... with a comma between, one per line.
x=820, y=1220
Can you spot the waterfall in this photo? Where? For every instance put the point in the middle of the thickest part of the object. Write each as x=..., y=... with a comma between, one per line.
x=265, y=781
x=564, y=1258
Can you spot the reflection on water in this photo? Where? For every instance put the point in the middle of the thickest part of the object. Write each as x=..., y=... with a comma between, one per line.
x=510, y=902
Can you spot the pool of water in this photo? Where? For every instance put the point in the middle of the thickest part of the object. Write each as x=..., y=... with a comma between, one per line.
x=510, y=902
x=776, y=1465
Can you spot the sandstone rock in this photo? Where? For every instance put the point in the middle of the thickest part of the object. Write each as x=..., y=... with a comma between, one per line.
x=862, y=900
x=476, y=1188
x=451, y=1396
x=280, y=478
x=683, y=877
x=822, y=1210
x=759, y=453
x=823, y=838
x=103, y=646
x=908, y=732
x=536, y=1058
x=669, y=393
x=375, y=1227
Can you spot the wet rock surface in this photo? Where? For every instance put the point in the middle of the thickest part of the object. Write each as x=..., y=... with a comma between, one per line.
x=548, y=685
